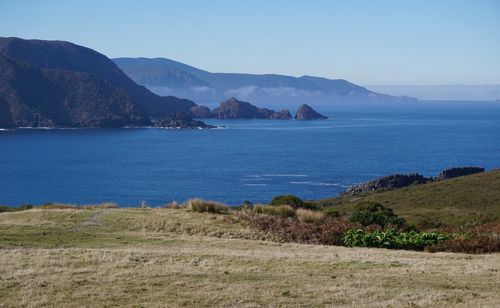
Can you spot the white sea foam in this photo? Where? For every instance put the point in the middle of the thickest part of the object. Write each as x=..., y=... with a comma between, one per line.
x=255, y=184
x=316, y=183
x=290, y=175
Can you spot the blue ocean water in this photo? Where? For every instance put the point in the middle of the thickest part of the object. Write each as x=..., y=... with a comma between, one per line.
x=249, y=159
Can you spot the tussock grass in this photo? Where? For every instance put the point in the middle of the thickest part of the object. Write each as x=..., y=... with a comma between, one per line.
x=310, y=216
x=276, y=210
x=202, y=206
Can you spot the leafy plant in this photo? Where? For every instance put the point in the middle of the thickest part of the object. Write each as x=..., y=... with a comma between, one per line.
x=392, y=239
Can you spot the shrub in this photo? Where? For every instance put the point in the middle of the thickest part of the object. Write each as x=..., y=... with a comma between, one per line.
x=310, y=216
x=289, y=229
x=475, y=244
x=276, y=210
x=392, y=239
x=291, y=200
x=372, y=213
x=331, y=212
x=201, y=206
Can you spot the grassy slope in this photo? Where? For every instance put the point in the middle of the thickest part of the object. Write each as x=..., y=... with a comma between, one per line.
x=451, y=202
x=168, y=257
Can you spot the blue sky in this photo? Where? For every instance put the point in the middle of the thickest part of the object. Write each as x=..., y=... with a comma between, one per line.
x=368, y=42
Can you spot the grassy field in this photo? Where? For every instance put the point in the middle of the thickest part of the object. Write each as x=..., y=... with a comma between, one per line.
x=173, y=257
x=459, y=201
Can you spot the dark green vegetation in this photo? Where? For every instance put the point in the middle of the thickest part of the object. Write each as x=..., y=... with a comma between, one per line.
x=393, y=239
x=372, y=213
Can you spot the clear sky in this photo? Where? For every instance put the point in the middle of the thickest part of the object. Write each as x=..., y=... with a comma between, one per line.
x=367, y=42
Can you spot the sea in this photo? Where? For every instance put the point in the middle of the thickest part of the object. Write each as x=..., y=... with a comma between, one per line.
x=250, y=160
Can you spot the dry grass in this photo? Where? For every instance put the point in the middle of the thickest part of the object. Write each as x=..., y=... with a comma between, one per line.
x=202, y=206
x=310, y=216
x=277, y=210
x=167, y=257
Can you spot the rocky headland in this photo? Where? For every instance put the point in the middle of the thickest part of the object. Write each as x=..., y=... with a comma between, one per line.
x=60, y=84
x=404, y=180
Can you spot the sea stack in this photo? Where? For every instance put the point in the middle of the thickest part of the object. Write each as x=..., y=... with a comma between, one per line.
x=306, y=112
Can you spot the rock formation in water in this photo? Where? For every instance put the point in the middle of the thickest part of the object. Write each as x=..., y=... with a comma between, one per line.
x=60, y=84
x=306, y=112
x=235, y=109
x=180, y=121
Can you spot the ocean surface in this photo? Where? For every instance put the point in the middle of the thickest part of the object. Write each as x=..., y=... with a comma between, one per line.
x=248, y=159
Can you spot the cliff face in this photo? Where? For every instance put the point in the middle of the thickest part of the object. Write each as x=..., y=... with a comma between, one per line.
x=306, y=112
x=59, y=84
x=235, y=109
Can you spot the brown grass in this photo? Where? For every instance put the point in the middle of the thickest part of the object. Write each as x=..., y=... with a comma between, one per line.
x=202, y=206
x=200, y=260
x=277, y=210
x=310, y=216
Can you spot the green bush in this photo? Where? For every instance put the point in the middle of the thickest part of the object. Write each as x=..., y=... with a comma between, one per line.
x=331, y=212
x=372, y=213
x=277, y=210
x=201, y=206
x=290, y=200
x=392, y=239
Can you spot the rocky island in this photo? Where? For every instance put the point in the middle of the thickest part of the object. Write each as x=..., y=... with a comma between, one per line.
x=234, y=109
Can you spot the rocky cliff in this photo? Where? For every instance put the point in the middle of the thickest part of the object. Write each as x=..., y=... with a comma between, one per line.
x=60, y=84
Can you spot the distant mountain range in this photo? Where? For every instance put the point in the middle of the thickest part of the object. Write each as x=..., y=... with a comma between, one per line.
x=483, y=92
x=60, y=84
x=168, y=77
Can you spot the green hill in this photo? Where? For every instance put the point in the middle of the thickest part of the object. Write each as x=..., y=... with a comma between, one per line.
x=463, y=200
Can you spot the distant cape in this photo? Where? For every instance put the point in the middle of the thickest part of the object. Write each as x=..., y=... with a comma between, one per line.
x=168, y=77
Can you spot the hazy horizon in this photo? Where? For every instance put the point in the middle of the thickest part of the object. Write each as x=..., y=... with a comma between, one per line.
x=387, y=42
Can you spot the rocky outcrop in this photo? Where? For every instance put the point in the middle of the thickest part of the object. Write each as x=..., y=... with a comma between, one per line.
x=281, y=115
x=181, y=121
x=388, y=182
x=60, y=84
x=456, y=172
x=403, y=180
x=235, y=109
x=306, y=112
x=201, y=112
